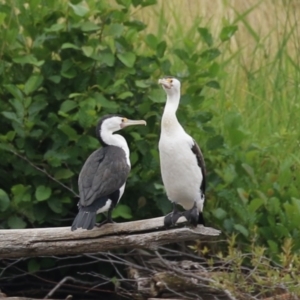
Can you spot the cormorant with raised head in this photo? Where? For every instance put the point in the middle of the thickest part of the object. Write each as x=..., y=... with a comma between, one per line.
x=181, y=161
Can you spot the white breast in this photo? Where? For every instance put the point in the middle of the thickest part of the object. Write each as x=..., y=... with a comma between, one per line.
x=182, y=177
x=107, y=205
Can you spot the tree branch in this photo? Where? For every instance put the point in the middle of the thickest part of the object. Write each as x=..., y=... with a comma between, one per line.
x=44, y=171
x=15, y=243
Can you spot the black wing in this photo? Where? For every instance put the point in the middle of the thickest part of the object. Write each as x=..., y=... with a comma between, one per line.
x=104, y=172
x=201, y=163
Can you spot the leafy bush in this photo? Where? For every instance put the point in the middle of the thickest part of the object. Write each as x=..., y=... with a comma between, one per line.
x=65, y=65
x=62, y=67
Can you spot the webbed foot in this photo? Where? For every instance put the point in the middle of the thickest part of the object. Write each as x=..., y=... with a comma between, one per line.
x=106, y=221
x=171, y=218
x=192, y=215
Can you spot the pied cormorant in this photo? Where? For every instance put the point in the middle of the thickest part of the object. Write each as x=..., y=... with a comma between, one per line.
x=181, y=161
x=103, y=176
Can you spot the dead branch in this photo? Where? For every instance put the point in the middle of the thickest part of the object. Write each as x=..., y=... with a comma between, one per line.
x=15, y=243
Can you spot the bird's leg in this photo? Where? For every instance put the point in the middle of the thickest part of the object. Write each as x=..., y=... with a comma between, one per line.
x=192, y=215
x=108, y=219
x=171, y=218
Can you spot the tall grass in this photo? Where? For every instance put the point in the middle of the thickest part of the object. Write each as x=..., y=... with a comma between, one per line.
x=262, y=63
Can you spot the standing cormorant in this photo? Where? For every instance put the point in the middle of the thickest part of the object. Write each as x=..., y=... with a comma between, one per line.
x=103, y=176
x=181, y=161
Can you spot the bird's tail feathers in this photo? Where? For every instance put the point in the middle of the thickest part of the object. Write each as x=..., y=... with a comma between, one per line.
x=84, y=219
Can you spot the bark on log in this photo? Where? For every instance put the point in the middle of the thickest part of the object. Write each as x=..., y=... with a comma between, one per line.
x=175, y=280
x=16, y=243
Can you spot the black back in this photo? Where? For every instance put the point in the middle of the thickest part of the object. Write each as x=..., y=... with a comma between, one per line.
x=104, y=172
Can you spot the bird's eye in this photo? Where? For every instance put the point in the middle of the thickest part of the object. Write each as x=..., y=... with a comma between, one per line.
x=171, y=80
x=124, y=120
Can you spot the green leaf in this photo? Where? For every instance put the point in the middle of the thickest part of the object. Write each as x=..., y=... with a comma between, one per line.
x=115, y=29
x=33, y=266
x=241, y=229
x=68, y=105
x=42, y=193
x=15, y=222
x=125, y=3
x=79, y=9
x=63, y=174
x=157, y=96
x=15, y=91
x=85, y=119
x=122, y=211
x=210, y=54
x=69, y=131
x=2, y=18
x=142, y=84
x=182, y=54
x=206, y=36
x=28, y=59
x=161, y=48
x=273, y=246
x=125, y=95
x=227, y=32
x=4, y=201
x=37, y=106
x=215, y=142
x=214, y=69
x=55, y=27
x=128, y=59
x=220, y=213
x=108, y=59
x=33, y=83
x=213, y=84
x=87, y=50
x=69, y=45
x=103, y=102
x=55, y=78
x=250, y=172
x=56, y=205
x=19, y=107
x=68, y=69
x=89, y=26
x=243, y=195
x=11, y=116
x=21, y=193
x=255, y=204
x=151, y=41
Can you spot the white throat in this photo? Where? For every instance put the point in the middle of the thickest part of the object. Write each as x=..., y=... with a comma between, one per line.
x=169, y=122
x=116, y=140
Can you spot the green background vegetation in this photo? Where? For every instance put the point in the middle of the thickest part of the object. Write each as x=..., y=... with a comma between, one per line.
x=65, y=64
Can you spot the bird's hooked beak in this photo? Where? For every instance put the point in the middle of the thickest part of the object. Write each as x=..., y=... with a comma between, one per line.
x=165, y=82
x=128, y=122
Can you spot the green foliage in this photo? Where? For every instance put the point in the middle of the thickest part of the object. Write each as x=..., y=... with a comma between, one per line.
x=65, y=65
x=70, y=64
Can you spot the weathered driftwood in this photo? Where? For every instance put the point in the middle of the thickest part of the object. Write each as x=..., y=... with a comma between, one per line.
x=15, y=243
x=177, y=280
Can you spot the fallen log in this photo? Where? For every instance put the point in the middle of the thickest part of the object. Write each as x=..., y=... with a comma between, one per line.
x=16, y=243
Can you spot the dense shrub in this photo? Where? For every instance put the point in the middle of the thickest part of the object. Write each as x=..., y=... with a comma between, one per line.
x=65, y=65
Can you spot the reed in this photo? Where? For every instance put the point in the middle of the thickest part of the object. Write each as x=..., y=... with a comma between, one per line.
x=262, y=62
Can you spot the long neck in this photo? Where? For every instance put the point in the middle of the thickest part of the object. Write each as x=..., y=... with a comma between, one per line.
x=169, y=119
x=109, y=139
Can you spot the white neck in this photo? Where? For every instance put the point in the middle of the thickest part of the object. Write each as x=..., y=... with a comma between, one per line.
x=116, y=140
x=169, y=120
